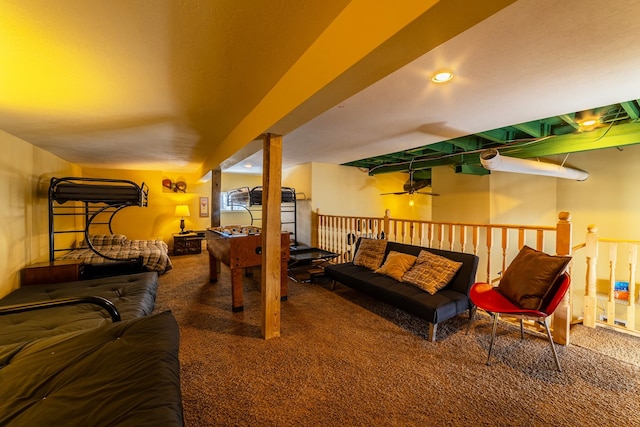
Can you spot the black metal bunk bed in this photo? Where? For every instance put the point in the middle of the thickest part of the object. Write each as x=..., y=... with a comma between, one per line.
x=250, y=198
x=92, y=203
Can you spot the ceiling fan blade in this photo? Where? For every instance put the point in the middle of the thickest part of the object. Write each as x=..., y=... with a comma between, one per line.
x=396, y=193
x=427, y=194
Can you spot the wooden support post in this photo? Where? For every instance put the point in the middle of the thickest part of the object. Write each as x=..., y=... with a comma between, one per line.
x=386, y=228
x=216, y=180
x=611, y=303
x=562, y=315
x=315, y=227
x=271, y=246
x=590, y=302
x=631, y=306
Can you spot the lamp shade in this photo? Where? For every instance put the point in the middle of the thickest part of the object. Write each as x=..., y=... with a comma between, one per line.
x=182, y=210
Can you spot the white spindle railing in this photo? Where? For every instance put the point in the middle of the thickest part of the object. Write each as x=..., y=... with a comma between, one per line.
x=340, y=233
x=603, y=303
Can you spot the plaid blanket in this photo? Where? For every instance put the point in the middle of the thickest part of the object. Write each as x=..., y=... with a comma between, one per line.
x=154, y=253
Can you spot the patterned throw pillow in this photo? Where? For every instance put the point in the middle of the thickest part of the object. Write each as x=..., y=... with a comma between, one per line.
x=431, y=272
x=370, y=253
x=528, y=278
x=103, y=240
x=396, y=264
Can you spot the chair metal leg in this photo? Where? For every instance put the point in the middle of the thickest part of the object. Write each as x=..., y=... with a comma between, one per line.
x=521, y=329
x=553, y=347
x=493, y=337
x=472, y=316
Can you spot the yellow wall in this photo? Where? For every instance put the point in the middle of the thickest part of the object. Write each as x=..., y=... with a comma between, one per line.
x=336, y=190
x=463, y=198
x=346, y=190
x=609, y=198
x=299, y=177
x=158, y=220
x=25, y=172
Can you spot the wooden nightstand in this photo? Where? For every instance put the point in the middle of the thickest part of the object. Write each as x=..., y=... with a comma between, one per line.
x=52, y=272
x=187, y=244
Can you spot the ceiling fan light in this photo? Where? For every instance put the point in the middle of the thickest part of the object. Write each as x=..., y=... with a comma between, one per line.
x=441, y=76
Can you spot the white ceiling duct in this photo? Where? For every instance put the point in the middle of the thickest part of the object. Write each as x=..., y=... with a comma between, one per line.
x=493, y=161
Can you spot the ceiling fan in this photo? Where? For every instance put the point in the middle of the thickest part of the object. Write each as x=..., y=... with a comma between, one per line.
x=412, y=186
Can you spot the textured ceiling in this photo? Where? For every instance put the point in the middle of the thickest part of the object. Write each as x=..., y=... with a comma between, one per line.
x=187, y=84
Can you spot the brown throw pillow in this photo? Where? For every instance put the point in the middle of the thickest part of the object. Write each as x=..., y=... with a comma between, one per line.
x=528, y=278
x=431, y=272
x=370, y=253
x=396, y=264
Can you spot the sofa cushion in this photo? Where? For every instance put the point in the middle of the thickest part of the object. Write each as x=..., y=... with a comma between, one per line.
x=370, y=253
x=530, y=275
x=100, y=240
x=431, y=272
x=435, y=308
x=396, y=264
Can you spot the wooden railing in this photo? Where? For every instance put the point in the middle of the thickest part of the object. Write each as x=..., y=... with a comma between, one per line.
x=618, y=306
x=494, y=244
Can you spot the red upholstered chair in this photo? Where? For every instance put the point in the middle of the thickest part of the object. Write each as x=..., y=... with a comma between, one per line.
x=490, y=299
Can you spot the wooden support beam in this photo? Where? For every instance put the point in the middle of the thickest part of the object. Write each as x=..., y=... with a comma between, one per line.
x=216, y=180
x=271, y=244
x=562, y=315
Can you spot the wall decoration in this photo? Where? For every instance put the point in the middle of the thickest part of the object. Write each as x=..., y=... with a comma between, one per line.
x=204, y=206
x=168, y=185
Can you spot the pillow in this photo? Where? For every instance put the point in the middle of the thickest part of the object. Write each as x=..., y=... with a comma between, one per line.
x=528, y=278
x=431, y=272
x=396, y=265
x=107, y=239
x=370, y=253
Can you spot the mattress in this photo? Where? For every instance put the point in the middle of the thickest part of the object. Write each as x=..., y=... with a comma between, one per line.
x=253, y=197
x=124, y=374
x=109, y=191
x=154, y=253
x=133, y=295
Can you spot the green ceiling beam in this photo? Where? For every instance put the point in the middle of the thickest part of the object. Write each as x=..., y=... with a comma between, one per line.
x=616, y=136
x=466, y=143
x=570, y=120
x=631, y=109
x=471, y=170
x=495, y=135
x=530, y=128
x=422, y=175
x=441, y=147
x=551, y=136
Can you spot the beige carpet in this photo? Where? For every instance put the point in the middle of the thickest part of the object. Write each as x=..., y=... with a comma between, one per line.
x=346, y=360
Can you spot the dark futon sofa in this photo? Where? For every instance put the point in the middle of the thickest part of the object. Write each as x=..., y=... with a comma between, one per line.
x=433, y=305
x=101, y=360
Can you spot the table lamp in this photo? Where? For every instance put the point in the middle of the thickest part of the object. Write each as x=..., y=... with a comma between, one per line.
x=182, y=211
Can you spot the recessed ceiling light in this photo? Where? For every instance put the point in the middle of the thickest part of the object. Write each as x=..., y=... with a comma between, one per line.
x=248, y=165
x=442, y=76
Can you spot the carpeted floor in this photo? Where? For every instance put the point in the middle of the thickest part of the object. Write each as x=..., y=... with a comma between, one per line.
x=346, y=360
